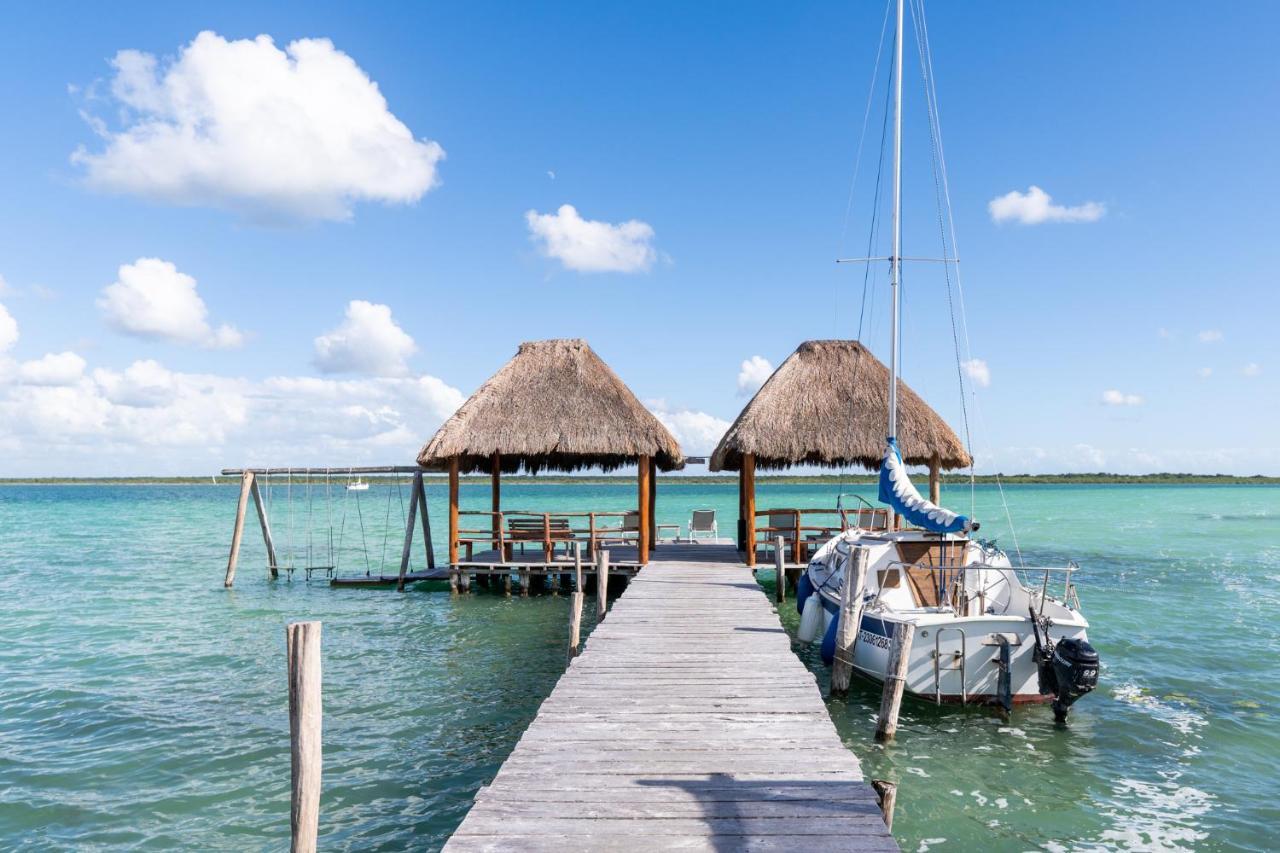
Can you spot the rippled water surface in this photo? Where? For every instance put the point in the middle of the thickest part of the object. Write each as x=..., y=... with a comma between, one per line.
x=144, y=706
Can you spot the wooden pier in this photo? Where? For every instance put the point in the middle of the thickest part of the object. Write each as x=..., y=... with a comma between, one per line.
x=687, y=723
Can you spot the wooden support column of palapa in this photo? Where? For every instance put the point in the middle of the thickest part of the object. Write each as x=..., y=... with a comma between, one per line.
x=653, y=506
x=642, y=505
x=850, y=617
x=410, y=522
x=749, y=504
x=935, y=479
x=246, y=486
x=302, y=648
x=273, y=565
x=495, y=493
x=453, y=511
x=742, y=512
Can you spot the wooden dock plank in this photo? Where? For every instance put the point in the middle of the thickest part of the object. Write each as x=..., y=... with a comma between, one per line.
x=687, y=723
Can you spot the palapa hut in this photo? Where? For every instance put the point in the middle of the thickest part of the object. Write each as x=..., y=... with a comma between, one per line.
x=555, y=406
x=828, y=405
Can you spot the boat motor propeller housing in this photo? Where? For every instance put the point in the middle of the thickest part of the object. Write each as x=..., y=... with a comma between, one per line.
x=1074, y=667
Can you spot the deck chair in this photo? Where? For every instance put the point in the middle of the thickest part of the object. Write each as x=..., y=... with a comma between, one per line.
x=628, y=533
x=703, y=521
x=783, y=523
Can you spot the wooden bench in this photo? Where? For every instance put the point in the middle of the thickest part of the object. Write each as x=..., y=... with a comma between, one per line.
x=547, y=531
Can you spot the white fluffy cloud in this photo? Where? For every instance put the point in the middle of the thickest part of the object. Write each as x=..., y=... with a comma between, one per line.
x=301, y=132
x=368, y=342
x=1119, y=398
x=62, y=368
x=1209, y=336
x=152, y=299
x=1035, y=206
x=697, y=432
x=587, y=245
x=977, y=370
x=752, y=374
x=8, y=329
x=148, y=419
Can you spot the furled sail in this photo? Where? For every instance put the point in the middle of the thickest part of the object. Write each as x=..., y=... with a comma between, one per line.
x=897, y=491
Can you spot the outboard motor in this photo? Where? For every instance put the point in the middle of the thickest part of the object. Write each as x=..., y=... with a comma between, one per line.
x=1074, y=664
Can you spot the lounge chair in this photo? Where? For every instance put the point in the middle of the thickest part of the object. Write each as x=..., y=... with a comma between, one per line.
x=703, y=522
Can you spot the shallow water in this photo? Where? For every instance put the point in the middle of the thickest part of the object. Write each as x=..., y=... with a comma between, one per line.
x=144, y=706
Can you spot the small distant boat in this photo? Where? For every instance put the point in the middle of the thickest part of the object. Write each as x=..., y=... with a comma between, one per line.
x=358, y=486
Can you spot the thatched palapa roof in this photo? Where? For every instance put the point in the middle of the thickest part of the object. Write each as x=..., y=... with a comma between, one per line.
x=555, y=406
x=828, y=404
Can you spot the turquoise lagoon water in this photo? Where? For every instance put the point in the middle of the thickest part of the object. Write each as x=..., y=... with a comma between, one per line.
x=143, y=706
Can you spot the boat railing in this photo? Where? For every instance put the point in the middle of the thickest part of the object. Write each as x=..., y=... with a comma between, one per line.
x=510, y=528
x=1069, y=595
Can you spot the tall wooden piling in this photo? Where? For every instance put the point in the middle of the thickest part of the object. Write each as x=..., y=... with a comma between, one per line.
x=780, y=564
x=895, y=677
x=302, y=647
x=273, y=565
x=887, y=796
x=246, y=486
x=575, y=606
x=407, y=551
x=602, y=583
x=850, y=621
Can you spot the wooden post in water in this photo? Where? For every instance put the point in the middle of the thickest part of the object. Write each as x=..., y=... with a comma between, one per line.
x=575, y=606
x=453, y=510
x=407, y=552
x=302, y=647
x=495, y=496
x=780, y=563
x=273, y=565
x=895, y=677
x=749, y=505
x=602, y=582
x=421, y=491
x=246, y=486
x=887, y=794
x=855, y=574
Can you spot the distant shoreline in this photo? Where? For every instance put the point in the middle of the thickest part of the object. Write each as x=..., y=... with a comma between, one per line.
x=696, y=480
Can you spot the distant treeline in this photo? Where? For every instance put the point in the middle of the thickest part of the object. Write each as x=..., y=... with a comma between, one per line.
x=860, y=479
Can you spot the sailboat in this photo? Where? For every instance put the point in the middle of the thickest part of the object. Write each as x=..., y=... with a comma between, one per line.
x=982, y=631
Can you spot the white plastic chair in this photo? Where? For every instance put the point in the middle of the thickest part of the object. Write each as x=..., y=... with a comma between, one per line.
x=703, y=521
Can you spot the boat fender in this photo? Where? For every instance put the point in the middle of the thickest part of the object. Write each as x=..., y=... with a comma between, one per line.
x=810, y=619
x=804, y=589
x=829, y=640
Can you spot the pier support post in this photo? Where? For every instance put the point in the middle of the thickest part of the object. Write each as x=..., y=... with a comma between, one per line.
x=246, y=486
x=643, y=478
x=453, y=511
x=407, y=552
x=602, y=583
x=575, y=606
x=855, y=574
x=749, y=505
x=895, y=677
x=302, y=646
x=887, y=795
x=780, y=564
x=421, y=491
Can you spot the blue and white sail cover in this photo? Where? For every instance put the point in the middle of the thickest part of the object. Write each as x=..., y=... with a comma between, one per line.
x=897, y=491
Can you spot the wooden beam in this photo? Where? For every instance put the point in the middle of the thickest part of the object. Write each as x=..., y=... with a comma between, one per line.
x=453, y=511
x=602, y=583
x=426, y=519
x=855, y=574
x=408, y=537
x=642, y=504
x=749, y=504
x=653, y=508
x=895, y=678
x=246, y=486
x=935, y=479
x=302, y=647
x=272, y=563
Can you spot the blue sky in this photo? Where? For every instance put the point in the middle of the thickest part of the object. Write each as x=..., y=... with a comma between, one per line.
x=725, y=134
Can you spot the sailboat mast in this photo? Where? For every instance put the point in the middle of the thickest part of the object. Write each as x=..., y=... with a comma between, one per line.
x=895, y=262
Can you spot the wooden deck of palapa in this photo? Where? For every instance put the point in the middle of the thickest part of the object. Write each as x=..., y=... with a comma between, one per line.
x=687, y=723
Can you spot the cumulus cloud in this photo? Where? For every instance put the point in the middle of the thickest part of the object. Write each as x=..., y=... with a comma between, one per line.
x=152, y=299
x=697, y=432
x=152, y=419
x=62, y=368
x=301, y=132
x=752, y=374
x=1035, y=206
x=1210, y=336
x=588, y=245
x=1119, y=398
x=367, y=342
x=1251, y=369
x=8, y=330
x=977, y=370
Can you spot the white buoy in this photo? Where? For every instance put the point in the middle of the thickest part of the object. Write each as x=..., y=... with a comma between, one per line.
x=810, y=619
